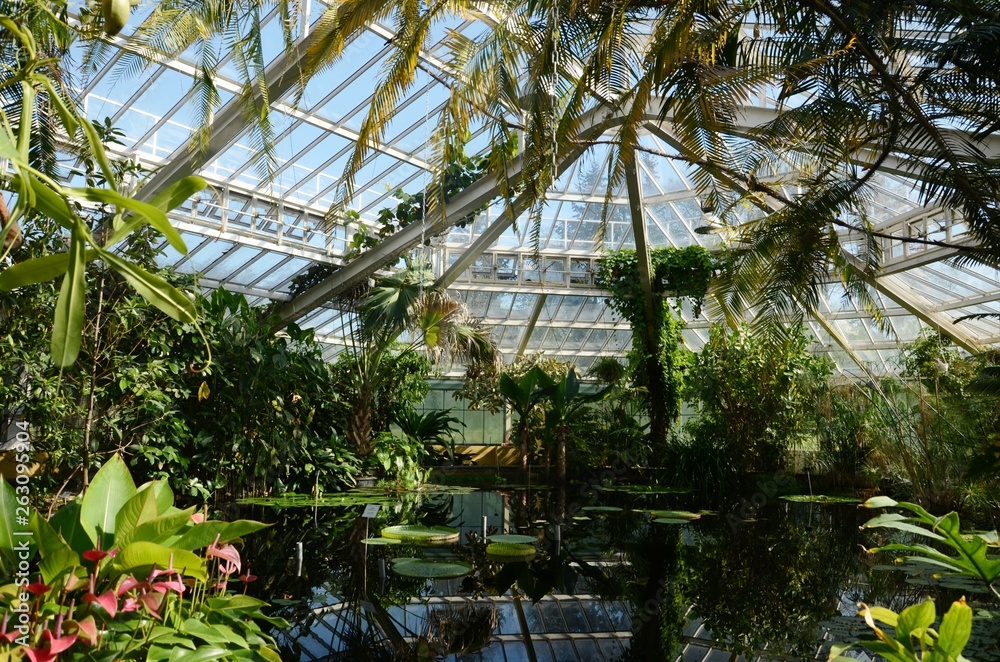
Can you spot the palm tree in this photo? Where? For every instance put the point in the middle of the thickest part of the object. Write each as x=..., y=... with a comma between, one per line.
x=855, y=88
x=407, y=303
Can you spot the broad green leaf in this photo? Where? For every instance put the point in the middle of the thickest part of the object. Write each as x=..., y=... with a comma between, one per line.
x=955, y=630
x=66, y=521
x=236, y=602
x=57, y=555
x=67, y=324
x=204, y=534
x=883, y=615
x=212, y=633
x=100, y=155
x=137, y=510
x=162, y=494
x=161, y=529
x=108, y=492
x=164, y=635
x=46, y=201
x=880, y=502
x=175, y=194
x=146, y=212
x=201, y=654
x=154, y=289
x=837, y=651
x=914, y=621
x=35, y=270
x=900, y=523
x=66, y=116
x=8, y=515
x=139, y=558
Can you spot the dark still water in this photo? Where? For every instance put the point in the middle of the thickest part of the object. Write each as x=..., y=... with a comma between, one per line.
x=628, y=576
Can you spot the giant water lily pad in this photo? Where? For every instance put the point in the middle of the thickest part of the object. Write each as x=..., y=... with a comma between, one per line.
x=513, y=538
x=670, y=520
x=509, y=551
x=426, y=535
x=424, y=569
x=602, y=509
x=819, y=498
x=382, y=541
x=675, y=514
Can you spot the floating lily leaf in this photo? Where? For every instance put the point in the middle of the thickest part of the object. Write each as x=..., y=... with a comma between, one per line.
x=382, y=541
x=602, y=509
x=645, y=489
x=819, y=498
x=675, y=514
x=424, y=569
x=507, y=550
x=428, y=535
x=670, y=520
x=513, y=538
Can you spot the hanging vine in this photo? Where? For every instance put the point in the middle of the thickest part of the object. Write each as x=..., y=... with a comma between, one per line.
x=684, y=272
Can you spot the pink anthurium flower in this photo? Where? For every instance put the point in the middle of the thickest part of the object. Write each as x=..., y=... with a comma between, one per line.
x=86, y=628
x=50, y=652
x=131, y=604
x=38, y=588
x=94, y=555
x=130, y=583
x=229, y=558
x=152, y=602
x=108, y=600
x=9, y=637
x=175, y=585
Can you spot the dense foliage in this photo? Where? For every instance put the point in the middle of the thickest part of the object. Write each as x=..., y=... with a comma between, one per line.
x=261, y=416
x=754, y=396
x=657, y=360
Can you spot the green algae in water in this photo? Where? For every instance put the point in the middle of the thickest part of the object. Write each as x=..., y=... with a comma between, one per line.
x=509, y=551
x=424, y=569
x=513, y=538
x=819, y=498
x=427, y=535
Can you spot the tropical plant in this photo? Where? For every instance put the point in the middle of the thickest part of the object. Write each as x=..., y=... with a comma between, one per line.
x=754, y=394
x=525, y=396
x=914, y=638
x=431, y=428
x=971, y=551
x=407, y=303
x=567, y=404
x=854, y=88
x=401, y=459
x=123, y=574
x=34, y=84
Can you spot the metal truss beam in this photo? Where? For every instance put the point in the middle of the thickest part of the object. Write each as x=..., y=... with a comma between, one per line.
x=530, y=328
x=634, y=187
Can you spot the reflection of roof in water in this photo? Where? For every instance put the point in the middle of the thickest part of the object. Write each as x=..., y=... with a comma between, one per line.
x=561, y=628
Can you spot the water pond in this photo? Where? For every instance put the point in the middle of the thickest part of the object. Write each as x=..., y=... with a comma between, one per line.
x=633, y=573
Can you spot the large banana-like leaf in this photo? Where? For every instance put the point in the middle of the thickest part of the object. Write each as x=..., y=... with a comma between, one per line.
x=111, y=488
x=67, y=325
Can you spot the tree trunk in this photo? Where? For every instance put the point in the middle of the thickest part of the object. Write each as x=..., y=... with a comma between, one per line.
x=360, y=430
x=522, y=442
x=659, y=418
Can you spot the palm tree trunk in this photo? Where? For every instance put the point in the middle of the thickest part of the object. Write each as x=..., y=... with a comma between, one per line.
x=360, y=430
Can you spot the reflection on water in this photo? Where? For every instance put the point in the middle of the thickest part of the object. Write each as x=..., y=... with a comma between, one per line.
x=607, y=584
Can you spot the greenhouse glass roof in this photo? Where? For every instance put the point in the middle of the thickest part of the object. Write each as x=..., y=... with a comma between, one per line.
x=254, y=235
